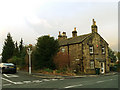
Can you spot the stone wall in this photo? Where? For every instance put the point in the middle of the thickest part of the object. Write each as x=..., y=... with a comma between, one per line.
x=79, y=52
x=75, y=53
x=97, y=42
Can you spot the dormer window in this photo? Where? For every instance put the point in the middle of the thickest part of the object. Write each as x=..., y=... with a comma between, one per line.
x=91, y=49
x=103, y=50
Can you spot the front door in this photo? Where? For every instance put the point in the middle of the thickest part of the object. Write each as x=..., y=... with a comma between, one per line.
x=102, y=67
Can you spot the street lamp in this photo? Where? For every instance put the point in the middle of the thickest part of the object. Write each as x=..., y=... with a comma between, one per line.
x=29, y=51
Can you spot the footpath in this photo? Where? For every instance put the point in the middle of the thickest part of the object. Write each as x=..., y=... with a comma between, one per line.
x=47, y=76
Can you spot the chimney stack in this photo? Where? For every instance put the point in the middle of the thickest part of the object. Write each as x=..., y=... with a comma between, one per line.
x=74, y=33
x=64, y=35
x=59, y=36
x=94, y=27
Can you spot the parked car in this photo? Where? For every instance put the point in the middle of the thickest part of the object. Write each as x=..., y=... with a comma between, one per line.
x=7, y=68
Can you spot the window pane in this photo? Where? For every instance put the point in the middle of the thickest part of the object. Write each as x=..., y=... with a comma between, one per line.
x=63, y=50
x=91, y=49
x=103, y=50
x=92, y=64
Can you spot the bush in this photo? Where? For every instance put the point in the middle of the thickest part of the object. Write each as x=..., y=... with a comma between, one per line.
x=14, y=60
x=58, y=71
x=115, y=67
x=17, y=61
x=45, y=49
x=48, y=70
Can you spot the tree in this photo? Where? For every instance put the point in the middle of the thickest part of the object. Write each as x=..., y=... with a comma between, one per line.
x=8, y=48
x=118, y=55
x=21, y=45
x=46, y=49
x=18, y=58
x=16, y=51
x=112, y=56
x=22, y=54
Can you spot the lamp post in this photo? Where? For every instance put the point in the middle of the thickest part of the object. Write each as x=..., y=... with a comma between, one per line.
x=29, y=51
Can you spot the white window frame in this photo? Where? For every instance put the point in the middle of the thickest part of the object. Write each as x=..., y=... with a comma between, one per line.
x=92, y=64
x=63, y=50
x=91, y=49
x=103, y=50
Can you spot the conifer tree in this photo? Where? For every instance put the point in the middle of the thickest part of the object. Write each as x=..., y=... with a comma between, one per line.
x=112, y=56
x=8, y=48
x=22, y=53
x=21, y=46
x=16, y=51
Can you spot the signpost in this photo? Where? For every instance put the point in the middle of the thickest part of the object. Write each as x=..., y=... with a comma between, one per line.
x=29, y=51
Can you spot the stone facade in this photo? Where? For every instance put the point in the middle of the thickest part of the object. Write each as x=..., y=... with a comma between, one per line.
x=86, y=52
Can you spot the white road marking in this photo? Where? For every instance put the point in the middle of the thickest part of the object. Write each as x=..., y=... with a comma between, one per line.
x=10, y=75
x=74, y=86
x=104, y=81
x=54, y=79
x=6, y=84
x=8, y=80
x=99, y=81
x=61, y=79
x=26, y=81
x=18, y=82
x=36, y=81
x=46, y=80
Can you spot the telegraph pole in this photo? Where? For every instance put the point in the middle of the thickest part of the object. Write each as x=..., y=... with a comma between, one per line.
x=29, y=51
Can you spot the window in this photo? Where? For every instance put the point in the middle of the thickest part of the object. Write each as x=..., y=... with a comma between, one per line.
x=63, y=49
x=103, y=50
x=91, y=49
x=112, y=61
x=91, y=64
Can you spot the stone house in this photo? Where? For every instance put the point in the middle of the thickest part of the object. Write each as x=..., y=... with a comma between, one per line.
x=85, y=52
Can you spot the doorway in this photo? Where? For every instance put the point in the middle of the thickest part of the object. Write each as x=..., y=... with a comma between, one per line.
x=102, y=67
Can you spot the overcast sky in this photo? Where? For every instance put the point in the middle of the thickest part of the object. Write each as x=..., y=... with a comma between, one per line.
x=30, y=19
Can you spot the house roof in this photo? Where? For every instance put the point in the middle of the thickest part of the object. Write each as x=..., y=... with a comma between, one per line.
x=77, y=39
x=74, y=40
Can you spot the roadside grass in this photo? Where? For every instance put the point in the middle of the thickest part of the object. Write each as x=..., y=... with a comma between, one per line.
x=61, y=72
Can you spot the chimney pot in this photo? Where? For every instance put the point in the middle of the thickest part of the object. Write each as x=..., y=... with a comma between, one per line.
x=74, y=28
x=94, y=27
x=74, y=33
x=59, y=32
x=64, y=35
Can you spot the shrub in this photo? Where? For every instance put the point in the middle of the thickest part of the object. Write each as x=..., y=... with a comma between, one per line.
x=46, y=49
x=17, y=61
x=48, y=70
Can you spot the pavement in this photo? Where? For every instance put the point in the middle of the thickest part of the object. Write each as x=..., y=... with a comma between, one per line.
x=47, y=76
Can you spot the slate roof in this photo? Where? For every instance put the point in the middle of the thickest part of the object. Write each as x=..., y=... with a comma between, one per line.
x=73, y=40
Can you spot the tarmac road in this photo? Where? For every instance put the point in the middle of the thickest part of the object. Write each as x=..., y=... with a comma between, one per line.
x=24, y=80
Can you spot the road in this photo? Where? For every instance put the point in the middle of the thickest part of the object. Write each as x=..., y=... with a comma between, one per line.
x=24, y=80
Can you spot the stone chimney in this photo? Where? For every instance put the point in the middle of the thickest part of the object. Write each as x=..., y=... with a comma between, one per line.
x=74, y=33
x=64, y=35
x=59, y=36
x=94, y=27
